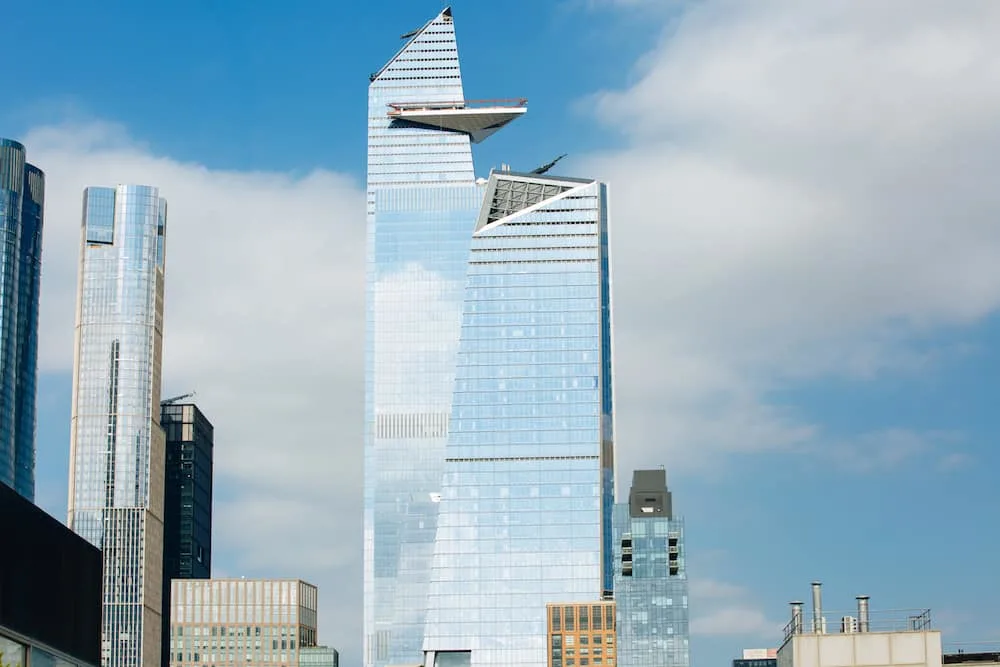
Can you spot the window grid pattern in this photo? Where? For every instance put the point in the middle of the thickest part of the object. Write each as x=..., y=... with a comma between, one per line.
x=117, y=445
x=582, y=635
x=318, y=656
x=187, y=508
x=651, y=590
x=526, y=479
x=22, y=195
x=421, y=209
x=241, y=622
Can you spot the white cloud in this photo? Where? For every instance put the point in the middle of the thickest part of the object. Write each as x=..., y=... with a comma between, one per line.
x=806, y=193
x=806, y=187
x=723, y=609
x=879, y=451
x=264, y=319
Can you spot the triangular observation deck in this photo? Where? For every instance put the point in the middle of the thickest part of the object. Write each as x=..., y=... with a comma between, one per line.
x=477, y=118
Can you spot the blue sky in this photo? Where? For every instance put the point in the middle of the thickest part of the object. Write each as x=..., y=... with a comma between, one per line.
x=807, y=268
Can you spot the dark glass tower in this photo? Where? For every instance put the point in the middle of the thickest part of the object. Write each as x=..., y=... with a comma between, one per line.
x=22, y=195
x=187, y=513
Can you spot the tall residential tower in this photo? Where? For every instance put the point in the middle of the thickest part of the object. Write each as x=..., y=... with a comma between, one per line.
x=489, y=433
x=22, y=196
x=651, y=587
x=117, y=444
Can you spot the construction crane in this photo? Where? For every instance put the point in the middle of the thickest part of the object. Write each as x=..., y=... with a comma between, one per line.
x=171, y=401
x=545, y=167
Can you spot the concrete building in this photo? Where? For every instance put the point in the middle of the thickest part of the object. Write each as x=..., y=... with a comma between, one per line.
x=241, y=622
x=581, y=634
x=860, y=638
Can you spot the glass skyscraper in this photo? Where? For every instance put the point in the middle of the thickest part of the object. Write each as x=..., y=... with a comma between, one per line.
x=651, y=586
x=489, y=434
x=22, y=197
x=117, y=444
x=187, y=504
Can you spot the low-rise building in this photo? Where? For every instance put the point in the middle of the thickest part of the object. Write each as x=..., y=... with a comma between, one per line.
x=860, y=638
x=50, y=590
x=241, y=622
x=582, y=634
x=319, y=656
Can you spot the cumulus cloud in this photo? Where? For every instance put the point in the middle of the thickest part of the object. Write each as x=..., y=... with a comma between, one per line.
x=264, y=319
x=887, y=449
x=805, y=192
x=723, y=609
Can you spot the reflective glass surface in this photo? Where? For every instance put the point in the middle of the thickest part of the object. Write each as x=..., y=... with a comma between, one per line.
x=40, y=658
x=522, y=504
x=651, y=590
x=12, y=653
x=422, y=206
x=117, y=445
x=488, y=441
x=22, y=194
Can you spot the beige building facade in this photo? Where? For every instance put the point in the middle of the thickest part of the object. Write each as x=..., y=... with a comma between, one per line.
x=244, y=622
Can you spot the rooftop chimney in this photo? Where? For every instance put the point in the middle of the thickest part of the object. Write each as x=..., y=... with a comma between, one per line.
x=862, y=613
x=817, y=607
x=796, y=617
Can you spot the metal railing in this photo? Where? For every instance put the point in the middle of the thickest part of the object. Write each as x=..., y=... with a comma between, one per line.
x=970, y=652
x=847, y=622
x=509, y=103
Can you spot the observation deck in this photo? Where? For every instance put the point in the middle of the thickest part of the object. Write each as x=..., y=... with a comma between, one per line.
x=477, y=118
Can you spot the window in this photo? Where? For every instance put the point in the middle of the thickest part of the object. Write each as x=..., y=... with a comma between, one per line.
x=12, y=652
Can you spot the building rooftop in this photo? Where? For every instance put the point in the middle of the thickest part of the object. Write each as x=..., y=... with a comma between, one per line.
x=981, y=653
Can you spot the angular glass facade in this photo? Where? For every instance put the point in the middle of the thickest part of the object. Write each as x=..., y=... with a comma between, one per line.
x=528, y=469
x=488, y=420
x=22, y=196
x=117, y=444
x=651, y=587
x=422, y=203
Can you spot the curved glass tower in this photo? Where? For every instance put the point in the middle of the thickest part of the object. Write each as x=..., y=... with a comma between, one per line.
x=117, y=445
x=489, y=433
x=22, y=196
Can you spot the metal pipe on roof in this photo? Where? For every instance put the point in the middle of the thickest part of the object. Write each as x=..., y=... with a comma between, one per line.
x=863, y=620
x=817, y=590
